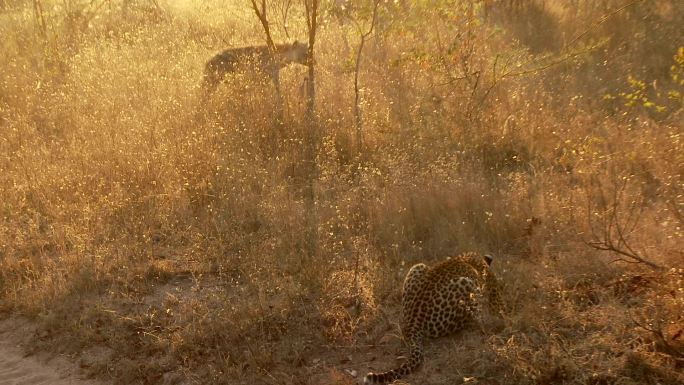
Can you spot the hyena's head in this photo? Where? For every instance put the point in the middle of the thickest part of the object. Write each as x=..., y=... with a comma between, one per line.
x=296, y=53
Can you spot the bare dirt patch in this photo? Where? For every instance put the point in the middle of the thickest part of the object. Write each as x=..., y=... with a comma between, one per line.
x=16, y=367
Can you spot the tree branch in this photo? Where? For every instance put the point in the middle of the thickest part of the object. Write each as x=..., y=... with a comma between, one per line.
x=357, y=108
x=613, y=237
x=261, y=15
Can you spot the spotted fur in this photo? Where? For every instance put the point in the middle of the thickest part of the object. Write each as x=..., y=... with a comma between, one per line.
x=440, y=300
x=259, y=58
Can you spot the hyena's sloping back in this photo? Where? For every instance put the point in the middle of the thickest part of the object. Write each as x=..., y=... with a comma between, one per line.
x=260, y=57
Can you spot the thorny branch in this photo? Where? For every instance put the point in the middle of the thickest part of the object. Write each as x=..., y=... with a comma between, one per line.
x=614, y=229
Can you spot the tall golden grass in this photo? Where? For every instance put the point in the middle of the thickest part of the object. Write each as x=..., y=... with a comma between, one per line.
x=172, y=234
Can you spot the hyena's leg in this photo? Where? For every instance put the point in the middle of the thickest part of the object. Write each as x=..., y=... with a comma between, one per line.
x=210, y=81
x=274, y=72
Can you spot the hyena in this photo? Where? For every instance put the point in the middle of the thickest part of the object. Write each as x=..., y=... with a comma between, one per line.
x=259, y=57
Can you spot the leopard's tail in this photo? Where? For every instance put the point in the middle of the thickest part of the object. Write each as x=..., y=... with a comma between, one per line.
x=414, y=361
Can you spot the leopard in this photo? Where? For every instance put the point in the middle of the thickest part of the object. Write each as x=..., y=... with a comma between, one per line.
x=440, y=300
x=259, y=59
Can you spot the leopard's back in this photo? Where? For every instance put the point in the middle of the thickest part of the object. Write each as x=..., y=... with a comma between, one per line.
x=440, y=300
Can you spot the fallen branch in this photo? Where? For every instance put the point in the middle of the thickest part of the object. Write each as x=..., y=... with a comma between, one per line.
x=615, y=229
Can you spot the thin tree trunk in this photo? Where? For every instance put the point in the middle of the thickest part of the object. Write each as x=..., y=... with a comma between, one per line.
x=40, y=18
x=311, y=138
x=358, y=121
x=275, y=76
x=311, y=21
x=261, y=14
x=357, y=108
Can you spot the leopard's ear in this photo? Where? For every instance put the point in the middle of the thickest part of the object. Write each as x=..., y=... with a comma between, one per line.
x=488, y=258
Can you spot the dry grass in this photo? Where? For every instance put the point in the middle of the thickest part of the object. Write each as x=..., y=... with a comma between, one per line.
x=166, y=241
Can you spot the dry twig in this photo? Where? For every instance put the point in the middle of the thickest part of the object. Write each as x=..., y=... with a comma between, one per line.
x=615, y=229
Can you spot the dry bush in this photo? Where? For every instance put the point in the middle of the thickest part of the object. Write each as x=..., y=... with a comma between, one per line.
x=170, y=232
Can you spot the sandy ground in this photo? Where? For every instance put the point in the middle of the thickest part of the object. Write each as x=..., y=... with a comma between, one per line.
x=17, y=368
